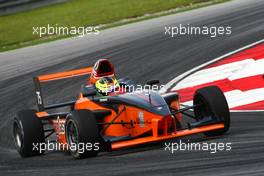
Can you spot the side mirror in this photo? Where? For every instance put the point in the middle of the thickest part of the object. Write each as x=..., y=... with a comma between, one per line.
x=152, y=82
x=88, y=91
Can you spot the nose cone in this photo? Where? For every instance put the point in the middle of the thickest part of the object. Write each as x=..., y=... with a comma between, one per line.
x=150, y=101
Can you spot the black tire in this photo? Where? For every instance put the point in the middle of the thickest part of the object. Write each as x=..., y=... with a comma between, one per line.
x=214, y=106
x=27, y=131
x=81, y=130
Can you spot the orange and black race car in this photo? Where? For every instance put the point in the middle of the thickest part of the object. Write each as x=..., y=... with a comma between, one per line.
x=111, y=121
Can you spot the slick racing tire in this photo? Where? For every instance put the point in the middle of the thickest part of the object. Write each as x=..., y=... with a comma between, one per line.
x=82, y=134
x=28, y=133
x=212, y=104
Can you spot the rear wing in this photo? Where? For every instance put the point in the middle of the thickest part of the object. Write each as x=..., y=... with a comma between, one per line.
x=53, y=77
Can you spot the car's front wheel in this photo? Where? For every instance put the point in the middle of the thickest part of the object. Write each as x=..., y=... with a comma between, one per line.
x=211, y=103
x=82, y=134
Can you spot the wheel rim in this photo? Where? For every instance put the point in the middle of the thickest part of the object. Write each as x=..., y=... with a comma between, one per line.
x=18, y=135
x=72, y=136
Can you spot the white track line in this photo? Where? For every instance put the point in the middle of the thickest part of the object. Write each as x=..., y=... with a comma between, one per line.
x=185, y=74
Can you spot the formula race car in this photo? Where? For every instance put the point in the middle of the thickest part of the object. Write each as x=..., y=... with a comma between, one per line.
x=125, y=118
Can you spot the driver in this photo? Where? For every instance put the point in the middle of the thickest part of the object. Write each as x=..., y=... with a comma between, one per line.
x=107, y=85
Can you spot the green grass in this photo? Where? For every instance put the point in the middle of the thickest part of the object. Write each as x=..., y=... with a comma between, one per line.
x=16, y=30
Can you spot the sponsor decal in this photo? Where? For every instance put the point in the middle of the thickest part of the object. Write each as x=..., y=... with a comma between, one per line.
x=141, y=119
x=39, y=98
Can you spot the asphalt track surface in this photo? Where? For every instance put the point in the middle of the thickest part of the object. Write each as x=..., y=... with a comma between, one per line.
x=140, y=51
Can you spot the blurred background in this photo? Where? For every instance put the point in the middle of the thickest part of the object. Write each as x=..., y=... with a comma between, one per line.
x=14, y=6
x=19, y=17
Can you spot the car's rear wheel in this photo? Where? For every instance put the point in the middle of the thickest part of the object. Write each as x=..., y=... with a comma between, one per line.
x=28, y=133
x=82, y=134
x=212, y=104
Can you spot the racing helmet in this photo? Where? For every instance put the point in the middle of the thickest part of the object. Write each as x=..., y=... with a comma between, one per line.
x=106, y=85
